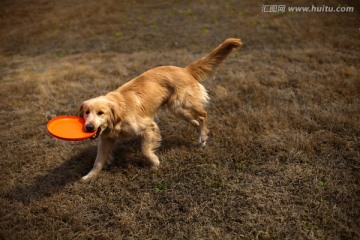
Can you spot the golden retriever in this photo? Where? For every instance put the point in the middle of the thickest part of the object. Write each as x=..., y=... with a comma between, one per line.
x=128, y=112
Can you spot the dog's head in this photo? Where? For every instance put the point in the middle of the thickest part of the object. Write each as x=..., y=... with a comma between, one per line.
x=99, y=114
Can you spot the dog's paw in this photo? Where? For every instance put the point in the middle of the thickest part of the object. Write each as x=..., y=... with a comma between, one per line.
x=202, y=144
x=155, y=167
x=87, y=178
x=202, y=140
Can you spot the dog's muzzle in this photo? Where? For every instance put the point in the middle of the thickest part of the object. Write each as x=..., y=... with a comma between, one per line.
x=96, y=134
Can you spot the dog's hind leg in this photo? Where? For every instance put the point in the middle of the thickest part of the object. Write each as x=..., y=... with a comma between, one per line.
x=197, y=117
x=203, y=131
x=150, y=141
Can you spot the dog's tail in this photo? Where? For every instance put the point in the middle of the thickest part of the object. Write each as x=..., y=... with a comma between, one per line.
x=205, y=66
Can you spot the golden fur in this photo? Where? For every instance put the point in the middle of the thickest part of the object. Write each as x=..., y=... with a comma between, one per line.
x=129, y=111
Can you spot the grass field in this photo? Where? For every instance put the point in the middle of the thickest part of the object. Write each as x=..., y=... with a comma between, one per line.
x=283, y=159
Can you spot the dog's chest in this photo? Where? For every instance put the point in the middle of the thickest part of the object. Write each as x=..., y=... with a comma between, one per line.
x=127, y=130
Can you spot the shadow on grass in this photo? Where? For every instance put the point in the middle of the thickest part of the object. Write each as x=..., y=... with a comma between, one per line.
x=173, y=142
x=79, y=165
x=56, y=179
x=129, y=153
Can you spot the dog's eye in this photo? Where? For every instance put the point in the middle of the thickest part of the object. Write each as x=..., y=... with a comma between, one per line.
x=87, y=112
x=100, y=113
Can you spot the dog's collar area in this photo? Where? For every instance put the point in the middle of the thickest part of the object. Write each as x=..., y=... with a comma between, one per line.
x=96, y=134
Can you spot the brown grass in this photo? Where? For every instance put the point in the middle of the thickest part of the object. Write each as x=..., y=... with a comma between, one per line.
x=283, y=158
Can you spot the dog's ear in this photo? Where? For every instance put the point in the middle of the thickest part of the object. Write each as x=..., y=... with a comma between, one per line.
x=81, y=110
x=115, y=117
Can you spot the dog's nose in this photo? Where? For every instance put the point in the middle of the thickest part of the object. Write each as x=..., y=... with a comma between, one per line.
x=89, y=127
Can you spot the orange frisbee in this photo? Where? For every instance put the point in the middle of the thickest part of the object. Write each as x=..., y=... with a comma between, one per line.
x=70, y=128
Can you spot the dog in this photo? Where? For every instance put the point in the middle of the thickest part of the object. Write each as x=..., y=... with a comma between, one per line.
x=128, y=112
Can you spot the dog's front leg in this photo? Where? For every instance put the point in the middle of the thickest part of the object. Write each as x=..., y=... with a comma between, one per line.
x=105, y=148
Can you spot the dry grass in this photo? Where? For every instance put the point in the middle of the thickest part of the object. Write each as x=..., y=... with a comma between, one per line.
x=283, y=158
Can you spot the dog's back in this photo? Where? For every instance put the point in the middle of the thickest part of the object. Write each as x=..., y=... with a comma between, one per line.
x=177, y=87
